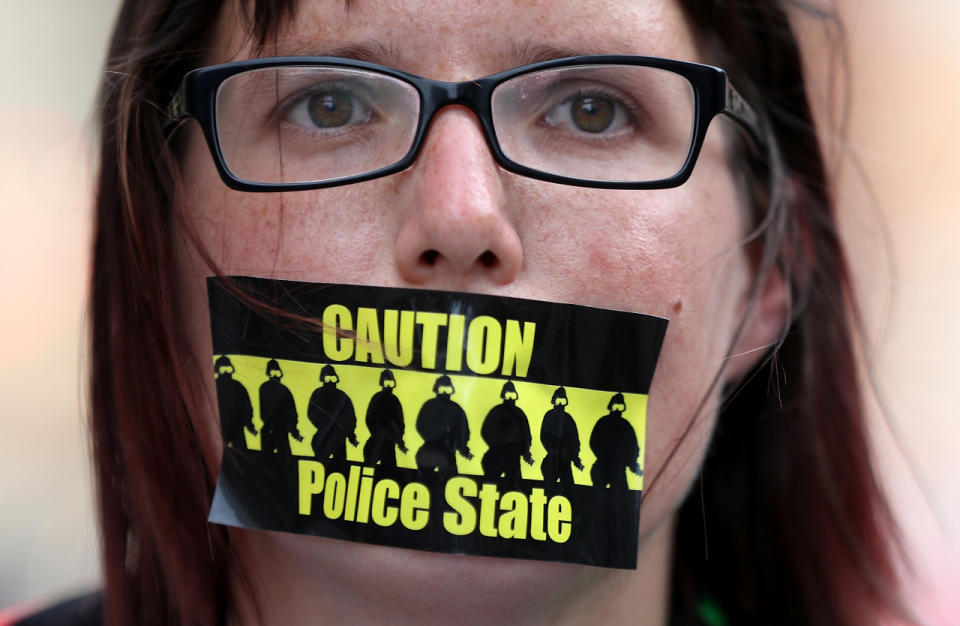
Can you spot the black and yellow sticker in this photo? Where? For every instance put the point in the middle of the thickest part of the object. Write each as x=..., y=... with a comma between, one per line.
x=434, y=420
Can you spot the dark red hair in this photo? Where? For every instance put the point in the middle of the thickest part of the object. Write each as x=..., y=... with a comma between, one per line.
x=788, y=524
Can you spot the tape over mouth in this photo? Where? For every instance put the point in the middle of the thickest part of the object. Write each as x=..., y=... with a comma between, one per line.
x=442, y=421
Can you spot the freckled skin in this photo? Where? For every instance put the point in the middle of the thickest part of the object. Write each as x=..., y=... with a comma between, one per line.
x=668, y=252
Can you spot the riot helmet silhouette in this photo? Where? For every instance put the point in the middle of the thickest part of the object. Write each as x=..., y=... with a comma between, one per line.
x=278, y=412
x=614, y=442
x=444, y=428
x=617, y=404
x=387, y=379
x=385, y=423
x=331, y=412
x=222, y=365
x=506, y=431
x=328, y=375
x=443, y=386
x=274, y=368
x=561, y=439
x=233, y=401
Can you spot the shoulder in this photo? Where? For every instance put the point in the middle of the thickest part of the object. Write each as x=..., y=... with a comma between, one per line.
x=83, y=610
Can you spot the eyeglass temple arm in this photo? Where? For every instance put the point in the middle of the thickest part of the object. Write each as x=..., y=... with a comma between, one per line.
x=177, y=109
x=741, y=111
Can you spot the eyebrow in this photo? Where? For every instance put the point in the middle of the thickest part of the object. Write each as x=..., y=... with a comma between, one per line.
x=529, y=52
x=371, y=51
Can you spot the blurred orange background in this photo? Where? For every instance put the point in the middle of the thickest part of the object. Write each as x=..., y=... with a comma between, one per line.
x=898, y=169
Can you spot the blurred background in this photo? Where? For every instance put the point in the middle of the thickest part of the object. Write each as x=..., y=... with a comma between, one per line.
x=900, y=207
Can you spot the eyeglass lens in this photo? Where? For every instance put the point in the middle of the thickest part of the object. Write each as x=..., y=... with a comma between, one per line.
x=620, y=123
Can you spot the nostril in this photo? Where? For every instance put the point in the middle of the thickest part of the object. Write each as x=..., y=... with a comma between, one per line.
x=488, y=259
x=429, y=257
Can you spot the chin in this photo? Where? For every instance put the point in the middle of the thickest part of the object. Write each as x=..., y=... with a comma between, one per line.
x=410, y=583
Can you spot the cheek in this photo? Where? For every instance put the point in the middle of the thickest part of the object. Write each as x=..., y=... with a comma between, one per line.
x=634, y=250
x=342, y=234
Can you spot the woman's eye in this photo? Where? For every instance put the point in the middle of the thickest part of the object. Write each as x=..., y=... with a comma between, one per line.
x=329, y=109
x=589, y=114
x=592, y=115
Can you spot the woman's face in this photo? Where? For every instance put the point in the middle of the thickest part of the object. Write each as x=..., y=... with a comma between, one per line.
x=456, y=221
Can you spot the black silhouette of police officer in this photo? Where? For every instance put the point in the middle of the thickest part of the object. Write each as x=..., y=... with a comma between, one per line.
x=385, y=423
x=444, y=428
x=615, y=443
x=236, y=412
x=507, y=433
x=278, y=412
x=561, y=440
x=331, y=411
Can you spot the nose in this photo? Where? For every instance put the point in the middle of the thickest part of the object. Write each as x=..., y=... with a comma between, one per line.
x=456, y=231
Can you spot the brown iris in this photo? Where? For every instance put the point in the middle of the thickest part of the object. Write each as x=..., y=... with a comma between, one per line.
x=591, y=114
x=330, y=109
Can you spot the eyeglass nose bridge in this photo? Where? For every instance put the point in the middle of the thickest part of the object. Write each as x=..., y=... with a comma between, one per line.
x=472, y=94
x=441, y=94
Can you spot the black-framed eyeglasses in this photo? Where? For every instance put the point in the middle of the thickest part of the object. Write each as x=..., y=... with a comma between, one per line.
x=611, y=121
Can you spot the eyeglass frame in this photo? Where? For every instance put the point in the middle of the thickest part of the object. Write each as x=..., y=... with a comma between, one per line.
x=713, y=95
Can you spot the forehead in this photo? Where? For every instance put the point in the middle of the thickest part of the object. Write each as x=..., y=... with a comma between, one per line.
x=458, y=39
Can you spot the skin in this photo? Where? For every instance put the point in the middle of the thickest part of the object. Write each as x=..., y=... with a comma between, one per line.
x=675, y=253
